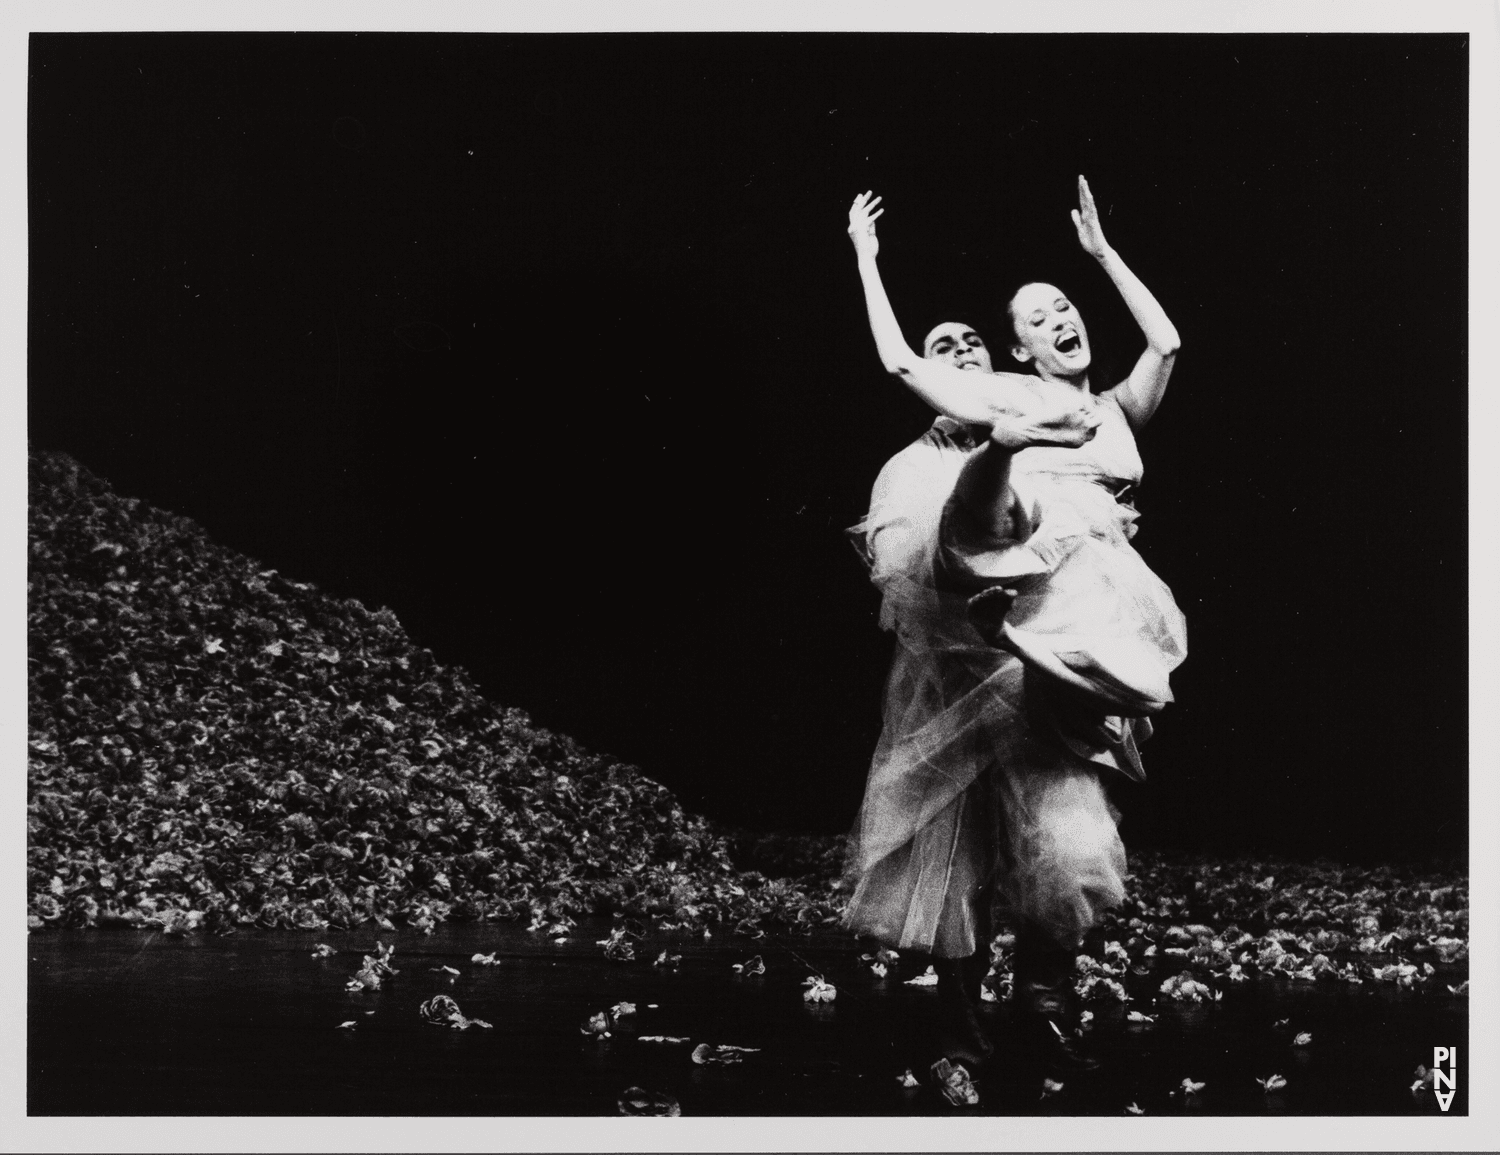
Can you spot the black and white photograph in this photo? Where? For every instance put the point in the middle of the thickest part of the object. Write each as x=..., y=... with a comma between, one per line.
x=828, y=574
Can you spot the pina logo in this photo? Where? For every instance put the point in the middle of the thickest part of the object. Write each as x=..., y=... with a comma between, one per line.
x=1442, y=1078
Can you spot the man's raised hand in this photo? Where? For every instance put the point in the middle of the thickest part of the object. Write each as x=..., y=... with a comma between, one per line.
x=862, y=217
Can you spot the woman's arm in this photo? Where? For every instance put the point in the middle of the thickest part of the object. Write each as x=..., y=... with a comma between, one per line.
x=1141, y=392
x=975, y=398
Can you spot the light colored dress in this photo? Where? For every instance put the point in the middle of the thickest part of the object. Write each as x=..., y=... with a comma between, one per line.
x=978, y=775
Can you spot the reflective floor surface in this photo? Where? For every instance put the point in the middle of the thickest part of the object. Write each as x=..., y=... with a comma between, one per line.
x=136, y=1023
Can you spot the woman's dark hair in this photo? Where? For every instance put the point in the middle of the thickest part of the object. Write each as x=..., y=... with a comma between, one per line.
x=1011, y=334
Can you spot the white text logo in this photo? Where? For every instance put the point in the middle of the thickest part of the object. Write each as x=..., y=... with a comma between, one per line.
x=1442, y=1078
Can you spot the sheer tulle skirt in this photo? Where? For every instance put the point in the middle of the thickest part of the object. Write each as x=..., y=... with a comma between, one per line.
x=972, y=781
x=1037, y=824
x=1062, y=862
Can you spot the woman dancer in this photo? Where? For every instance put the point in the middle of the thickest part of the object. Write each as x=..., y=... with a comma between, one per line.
x=1032, y=644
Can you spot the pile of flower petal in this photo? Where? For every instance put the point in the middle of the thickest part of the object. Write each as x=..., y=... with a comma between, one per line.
x=1190, y=929
x=213, y=744
x=1208, y=925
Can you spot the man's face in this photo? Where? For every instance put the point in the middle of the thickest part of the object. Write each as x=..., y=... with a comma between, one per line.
x=957, y=345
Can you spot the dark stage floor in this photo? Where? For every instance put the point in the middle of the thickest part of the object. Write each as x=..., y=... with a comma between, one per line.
x=134, y=1023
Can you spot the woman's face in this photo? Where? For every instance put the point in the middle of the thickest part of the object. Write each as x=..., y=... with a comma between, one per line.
x=1049, y=332
x=957, y=345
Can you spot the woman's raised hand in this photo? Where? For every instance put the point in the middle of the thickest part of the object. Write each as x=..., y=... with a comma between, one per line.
x=1086, y=221
x=862, y=216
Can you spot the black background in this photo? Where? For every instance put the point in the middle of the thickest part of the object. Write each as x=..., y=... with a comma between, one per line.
x=554, y=345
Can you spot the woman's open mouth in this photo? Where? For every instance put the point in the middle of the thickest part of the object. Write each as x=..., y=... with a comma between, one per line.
x=1068, y=343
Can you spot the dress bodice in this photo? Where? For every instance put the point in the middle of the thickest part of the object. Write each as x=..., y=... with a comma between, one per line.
x=1110, y=456
x=1083, y=490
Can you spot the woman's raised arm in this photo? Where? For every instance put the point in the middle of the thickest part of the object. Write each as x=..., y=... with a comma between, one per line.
x=1141, y=392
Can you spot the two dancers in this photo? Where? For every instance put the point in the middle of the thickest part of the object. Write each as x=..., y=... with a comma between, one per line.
x=1033, y=645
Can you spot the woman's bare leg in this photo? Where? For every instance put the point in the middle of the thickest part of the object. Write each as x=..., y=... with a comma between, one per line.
x=984, y=494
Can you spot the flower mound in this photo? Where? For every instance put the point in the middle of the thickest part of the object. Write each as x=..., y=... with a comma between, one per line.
x=213, y=744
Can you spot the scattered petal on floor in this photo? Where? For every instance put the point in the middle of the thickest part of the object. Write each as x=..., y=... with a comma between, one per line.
x=1450, y=949
x=1050, y=1087
x=954, y=1084
x=662, y=1039
x=639, y=1101
x=705, y=1054
x=670, y=961
x=620, y=1010
x=488, y=960
x=1138, y=1017
x=1132, y=1109
x=1461, y=989
x=1184, y=988
x=618, y=946
x=374, y=970
x=927, y=978
x=908, y=1079
x=1425, y=1079
x=1191, y=1088
x=1402, y=974
x=818, y=990
x=597, y=1024
x=346, y=1023
x=1272, y=1083
x=1302, y=1039
x=1279, y=1023
x=444, y=970
x=1096, y=986
x=323, y=950
x=752, y=966
x=442, y=1011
